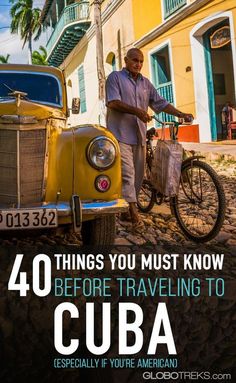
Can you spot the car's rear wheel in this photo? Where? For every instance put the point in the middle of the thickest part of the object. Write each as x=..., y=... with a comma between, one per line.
x=99, y=231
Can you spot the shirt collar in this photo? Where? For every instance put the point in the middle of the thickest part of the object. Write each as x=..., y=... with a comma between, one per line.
x=140, y=76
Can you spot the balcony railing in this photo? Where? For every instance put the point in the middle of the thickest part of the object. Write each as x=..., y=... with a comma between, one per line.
x=76, y=12
x=166, y=91
x=171, y=6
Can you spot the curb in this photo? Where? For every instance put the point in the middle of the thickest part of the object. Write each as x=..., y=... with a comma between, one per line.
x=210, y=156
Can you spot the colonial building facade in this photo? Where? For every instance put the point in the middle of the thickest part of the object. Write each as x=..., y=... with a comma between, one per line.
x=191, y=58
x=76, y=31
x=189, y=49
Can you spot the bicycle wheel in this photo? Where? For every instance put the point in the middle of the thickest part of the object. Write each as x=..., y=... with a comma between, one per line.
x=200, y=205
x=146, y=197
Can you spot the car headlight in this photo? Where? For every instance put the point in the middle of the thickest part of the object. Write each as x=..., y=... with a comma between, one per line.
x=101, y=152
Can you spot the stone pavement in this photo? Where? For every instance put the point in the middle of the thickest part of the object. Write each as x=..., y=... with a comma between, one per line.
x=224, y=150
x=161, y=226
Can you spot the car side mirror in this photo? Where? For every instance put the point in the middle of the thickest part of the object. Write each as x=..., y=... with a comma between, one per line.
x=75, y=105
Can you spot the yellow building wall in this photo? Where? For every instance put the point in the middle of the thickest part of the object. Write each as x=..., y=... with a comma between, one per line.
x=147, y=14
x=179, y=38
x=119, y=23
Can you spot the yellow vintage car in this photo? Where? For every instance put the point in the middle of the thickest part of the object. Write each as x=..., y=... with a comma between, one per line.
x=51, y=174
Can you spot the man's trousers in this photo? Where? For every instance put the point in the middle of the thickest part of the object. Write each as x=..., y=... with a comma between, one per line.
x=133, y=167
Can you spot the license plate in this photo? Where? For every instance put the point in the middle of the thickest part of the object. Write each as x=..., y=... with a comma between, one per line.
x=27, y=219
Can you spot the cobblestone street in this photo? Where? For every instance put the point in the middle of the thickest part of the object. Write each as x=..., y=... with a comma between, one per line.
x=160, y=225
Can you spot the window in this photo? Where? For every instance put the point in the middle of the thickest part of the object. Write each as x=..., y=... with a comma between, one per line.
x=171, y=6
x=161, y=75
x=39, y=87
x=82, y=95
x=161, y=66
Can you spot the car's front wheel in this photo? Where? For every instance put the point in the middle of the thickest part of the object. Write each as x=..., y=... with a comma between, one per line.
x=99, y=231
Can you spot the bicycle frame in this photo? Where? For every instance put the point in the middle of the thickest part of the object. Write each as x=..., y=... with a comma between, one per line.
x=173, y=127
x=199, y=206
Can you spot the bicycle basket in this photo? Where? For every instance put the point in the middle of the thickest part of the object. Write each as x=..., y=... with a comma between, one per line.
x=166, y=167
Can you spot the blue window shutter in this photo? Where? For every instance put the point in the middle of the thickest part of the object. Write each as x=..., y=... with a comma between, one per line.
x=172, y=6
x=161, y=68
x=82, y=94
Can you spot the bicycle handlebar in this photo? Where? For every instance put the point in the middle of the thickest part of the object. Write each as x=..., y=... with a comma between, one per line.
x=173, y=125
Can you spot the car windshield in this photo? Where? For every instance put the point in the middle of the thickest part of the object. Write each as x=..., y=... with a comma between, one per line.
x=40, y=87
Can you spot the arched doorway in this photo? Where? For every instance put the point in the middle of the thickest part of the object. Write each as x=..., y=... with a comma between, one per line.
x=214, y=69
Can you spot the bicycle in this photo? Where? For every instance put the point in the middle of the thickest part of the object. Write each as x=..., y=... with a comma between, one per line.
x=199, y=207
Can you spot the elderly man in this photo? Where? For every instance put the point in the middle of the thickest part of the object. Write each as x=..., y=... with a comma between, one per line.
x=128, y=96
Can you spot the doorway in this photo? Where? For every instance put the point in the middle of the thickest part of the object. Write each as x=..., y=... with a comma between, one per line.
x=203, y=75
x=220, y=75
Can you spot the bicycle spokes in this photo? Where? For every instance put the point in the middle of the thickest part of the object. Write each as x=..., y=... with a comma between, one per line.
x=200, y=204
x=192, y=185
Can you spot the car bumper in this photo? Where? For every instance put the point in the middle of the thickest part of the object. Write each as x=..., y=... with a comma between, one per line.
x=49, y=215
x=64, y=209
